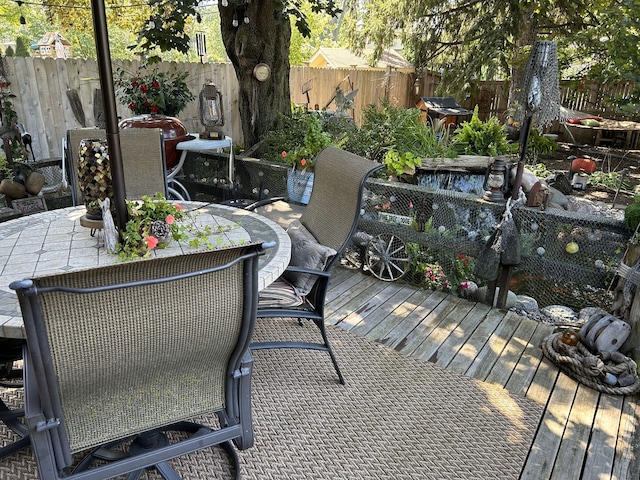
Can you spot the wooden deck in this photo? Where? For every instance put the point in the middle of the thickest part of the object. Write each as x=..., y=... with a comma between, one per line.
x=583, y=434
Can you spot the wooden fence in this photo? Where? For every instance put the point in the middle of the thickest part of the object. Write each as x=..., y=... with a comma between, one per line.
x=54, y=95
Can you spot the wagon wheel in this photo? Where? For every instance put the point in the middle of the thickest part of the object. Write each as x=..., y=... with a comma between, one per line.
x=387, y=257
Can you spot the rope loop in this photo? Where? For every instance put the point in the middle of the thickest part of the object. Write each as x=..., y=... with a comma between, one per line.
x=581, y=365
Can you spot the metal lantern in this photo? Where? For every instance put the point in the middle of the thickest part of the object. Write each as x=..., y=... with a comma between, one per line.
x=210, y=112
x=496, y=181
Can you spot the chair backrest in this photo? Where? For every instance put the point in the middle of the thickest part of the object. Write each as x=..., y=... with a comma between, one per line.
x=129, y=347
x=334, y=207
x=142, y=157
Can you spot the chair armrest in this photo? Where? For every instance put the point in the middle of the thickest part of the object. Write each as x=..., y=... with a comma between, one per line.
x=319, y=273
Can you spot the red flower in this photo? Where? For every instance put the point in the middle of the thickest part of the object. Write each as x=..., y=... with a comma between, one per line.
x=154, y=108
x=284, y=154
x=152, y=242
x=134, y=84
x=169, y=220
x=132, y=106
x=144, y=88
x=461, y=256
x=155, y=84
x=303, y=162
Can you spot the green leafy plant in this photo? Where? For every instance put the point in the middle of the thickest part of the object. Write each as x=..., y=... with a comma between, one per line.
x=476, y=137
x=404, y=164
x=610, y=180
x=164, y=93
x=297, y=140
x=154, y=221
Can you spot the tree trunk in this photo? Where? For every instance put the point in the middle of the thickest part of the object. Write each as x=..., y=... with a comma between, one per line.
x=264, y=39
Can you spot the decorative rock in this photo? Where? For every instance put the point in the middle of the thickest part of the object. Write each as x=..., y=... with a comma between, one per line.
x=559, y=314
x=627, y=379
x=558, y=198
x=34, y=183
x=12, y=189
x=480, y=295
x=529, y=179
x=610, y=379
x=526, y=303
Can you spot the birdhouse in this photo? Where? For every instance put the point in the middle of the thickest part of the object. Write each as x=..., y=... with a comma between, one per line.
x=437, y=108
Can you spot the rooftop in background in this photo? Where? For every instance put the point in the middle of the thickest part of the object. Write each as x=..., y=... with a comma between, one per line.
x=53, y=45
x=344, y=58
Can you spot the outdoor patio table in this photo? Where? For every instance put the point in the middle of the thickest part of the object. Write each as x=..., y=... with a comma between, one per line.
x=54, y=242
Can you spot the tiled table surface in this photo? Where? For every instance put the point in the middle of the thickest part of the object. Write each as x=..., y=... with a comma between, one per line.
x=54, y=241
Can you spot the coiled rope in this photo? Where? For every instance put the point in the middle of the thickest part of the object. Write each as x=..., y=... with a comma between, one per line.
x=581, y=365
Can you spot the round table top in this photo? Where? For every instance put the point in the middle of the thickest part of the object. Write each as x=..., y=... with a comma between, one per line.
x=55, y=242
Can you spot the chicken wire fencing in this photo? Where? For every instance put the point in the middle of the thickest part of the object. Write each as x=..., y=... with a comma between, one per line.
x=433, y=237
x=566, y=258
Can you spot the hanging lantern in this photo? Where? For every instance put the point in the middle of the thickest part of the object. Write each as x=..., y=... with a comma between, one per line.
x=210, y=112
x=496, y=181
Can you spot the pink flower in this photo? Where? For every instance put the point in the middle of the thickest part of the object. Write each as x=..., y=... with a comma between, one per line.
x=169, y=220
x=178, y=206
x=303, y=162
x=152, y=242
x=464, y=285
x=284, y=154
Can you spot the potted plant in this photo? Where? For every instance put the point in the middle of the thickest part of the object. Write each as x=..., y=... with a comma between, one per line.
x=156, y=98
x=298, y=140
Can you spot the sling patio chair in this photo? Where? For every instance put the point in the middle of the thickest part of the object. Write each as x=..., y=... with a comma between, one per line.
x=132, y=351
x=11, y=377
x=318, y=239
x=142, y=158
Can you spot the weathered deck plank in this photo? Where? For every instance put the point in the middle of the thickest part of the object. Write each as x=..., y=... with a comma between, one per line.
x=583, y=434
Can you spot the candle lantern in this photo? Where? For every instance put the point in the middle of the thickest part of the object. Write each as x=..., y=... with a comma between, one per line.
x=210, y=112
x=496, y=181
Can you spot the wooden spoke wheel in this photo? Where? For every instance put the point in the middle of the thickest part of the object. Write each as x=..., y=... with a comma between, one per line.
x=387, y=257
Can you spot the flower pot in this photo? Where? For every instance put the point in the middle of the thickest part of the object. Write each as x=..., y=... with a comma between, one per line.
x=299, y=185
x=173, y=132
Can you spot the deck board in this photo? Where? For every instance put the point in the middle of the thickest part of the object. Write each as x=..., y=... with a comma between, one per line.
x=583, y=434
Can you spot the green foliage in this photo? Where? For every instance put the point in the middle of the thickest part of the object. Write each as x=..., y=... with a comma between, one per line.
x=632, y=215
x=404, y=164
x=140, y=238
x=476, y=137
x=400, y=130
x=9, y=52
x=298, y=137
x=22, y=47
x=540, y=145
x=610, y=180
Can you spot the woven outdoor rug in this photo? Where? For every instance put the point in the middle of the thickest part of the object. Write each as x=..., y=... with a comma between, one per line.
x=396, y=418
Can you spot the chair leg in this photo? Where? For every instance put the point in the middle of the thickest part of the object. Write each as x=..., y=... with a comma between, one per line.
x=325, y=339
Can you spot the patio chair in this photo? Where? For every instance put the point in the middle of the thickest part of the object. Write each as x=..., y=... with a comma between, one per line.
x=133, y=351
x=318, y=239
x=11, y=377
x=142, y=158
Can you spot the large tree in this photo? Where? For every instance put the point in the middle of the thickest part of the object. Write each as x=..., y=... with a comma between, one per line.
x=467, y=41
x=260, y=32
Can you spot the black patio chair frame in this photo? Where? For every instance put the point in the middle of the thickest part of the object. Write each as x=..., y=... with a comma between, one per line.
x=331, y=216
x=213, y=372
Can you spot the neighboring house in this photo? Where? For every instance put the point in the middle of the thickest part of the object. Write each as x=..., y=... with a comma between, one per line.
x=343, y=58
x=53, y=45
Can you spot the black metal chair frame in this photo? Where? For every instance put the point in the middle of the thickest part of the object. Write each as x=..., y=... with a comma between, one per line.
x=44, y=407
x=331, y=164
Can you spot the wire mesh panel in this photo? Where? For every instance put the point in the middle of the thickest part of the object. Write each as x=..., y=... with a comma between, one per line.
x=445, y=231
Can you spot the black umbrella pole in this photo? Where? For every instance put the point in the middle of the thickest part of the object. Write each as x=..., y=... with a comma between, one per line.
x=524, y=139
x=101, y=36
